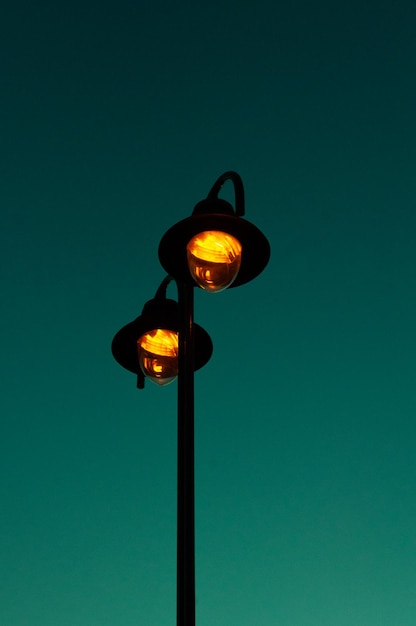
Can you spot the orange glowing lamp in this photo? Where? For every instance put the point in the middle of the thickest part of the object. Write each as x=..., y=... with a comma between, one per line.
x=214, y=259
x=215, y=248
x=149, y=345
x=158, y=355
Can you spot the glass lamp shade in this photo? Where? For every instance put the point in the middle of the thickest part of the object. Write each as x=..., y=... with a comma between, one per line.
x=158, y=355
x=214, y=259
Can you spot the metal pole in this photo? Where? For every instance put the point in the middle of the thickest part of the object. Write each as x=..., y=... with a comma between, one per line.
x=185, y=614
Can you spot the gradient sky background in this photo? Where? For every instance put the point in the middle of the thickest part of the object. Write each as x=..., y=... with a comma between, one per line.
x=116, y=118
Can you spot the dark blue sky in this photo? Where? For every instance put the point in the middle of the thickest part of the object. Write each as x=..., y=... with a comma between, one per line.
x=115, y=120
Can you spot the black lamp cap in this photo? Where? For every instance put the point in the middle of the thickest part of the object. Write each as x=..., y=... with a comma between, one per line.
x=213, y=205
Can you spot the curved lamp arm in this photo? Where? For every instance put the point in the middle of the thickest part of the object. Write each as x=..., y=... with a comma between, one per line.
x=238, y=190
x=161, y=291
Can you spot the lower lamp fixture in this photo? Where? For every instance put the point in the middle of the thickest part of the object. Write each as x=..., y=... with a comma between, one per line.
x=148, y=346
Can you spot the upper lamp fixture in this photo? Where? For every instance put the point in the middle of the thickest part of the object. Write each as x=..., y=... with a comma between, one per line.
x=215, y=248
x=148, y=346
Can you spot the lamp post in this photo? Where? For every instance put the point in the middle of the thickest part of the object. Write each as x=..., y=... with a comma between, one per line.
x=214, y=249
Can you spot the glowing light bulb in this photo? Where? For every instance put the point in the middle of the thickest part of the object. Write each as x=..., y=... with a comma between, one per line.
x=214, y=259
x=158, y=355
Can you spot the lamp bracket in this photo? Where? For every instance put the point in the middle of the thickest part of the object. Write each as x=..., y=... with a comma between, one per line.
x=238, y=190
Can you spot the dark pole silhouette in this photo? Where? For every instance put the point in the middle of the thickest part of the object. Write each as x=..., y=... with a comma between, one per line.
x=215, y=249
x=186, y=482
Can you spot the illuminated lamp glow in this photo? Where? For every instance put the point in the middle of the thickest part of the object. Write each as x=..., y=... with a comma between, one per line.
x=214, y=259
x=158, y=355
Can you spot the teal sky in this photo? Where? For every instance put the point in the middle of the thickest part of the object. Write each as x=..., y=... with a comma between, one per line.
x=116, y=118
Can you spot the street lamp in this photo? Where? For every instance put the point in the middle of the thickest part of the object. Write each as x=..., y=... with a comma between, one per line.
x=215, y=242
x=148, y=346
x=214, y=249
